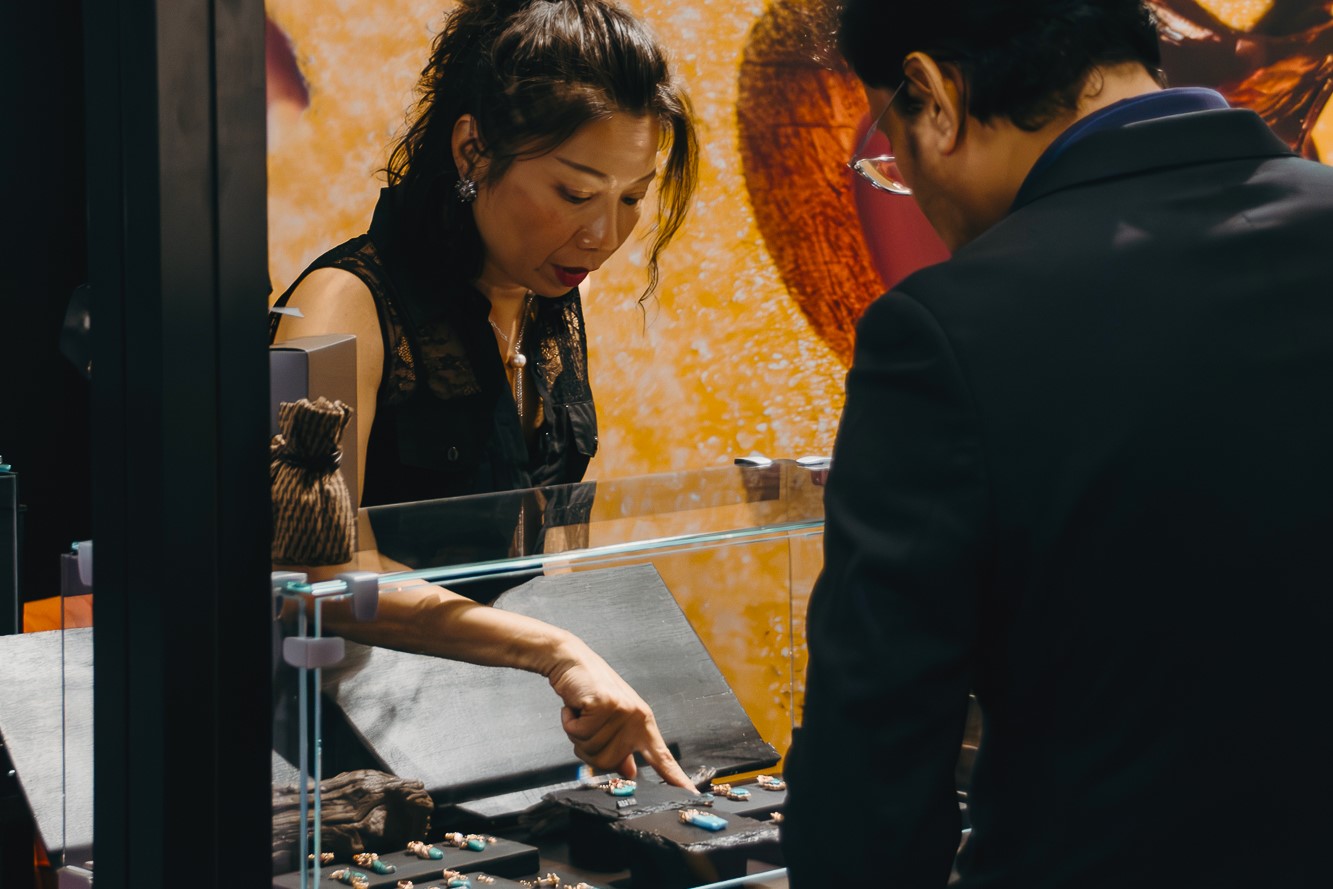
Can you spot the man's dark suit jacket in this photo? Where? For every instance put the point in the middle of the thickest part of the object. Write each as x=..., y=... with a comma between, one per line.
x=1085, y=468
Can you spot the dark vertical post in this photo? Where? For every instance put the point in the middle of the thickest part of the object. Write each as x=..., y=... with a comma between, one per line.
x=180, y=503
x=43, y=397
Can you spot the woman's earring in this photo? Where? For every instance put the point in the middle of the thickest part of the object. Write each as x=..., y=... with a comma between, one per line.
x=466, y=189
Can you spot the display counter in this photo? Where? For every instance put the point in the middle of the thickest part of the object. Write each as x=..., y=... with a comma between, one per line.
x=692, y=585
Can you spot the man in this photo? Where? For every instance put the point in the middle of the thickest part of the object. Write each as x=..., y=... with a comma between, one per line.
x=1083, y=472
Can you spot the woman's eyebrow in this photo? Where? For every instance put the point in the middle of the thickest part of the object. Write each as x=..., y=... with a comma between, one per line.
x=593, y=171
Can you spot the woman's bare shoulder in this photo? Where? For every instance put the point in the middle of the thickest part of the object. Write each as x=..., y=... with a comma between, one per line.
x=331, y=301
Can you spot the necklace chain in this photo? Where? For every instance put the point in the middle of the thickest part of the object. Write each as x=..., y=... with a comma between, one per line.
x=515, y=357
x=499, y=331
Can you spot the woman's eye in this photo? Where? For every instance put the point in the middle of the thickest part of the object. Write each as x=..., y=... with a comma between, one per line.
x=575, y=198
x=632, y=200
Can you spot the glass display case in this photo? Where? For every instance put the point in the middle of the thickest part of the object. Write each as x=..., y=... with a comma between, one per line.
x=692, y=585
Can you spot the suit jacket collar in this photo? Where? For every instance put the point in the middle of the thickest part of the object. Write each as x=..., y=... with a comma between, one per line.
x=1160, y=143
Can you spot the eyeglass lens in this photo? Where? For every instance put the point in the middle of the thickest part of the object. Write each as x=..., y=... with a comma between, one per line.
x=882, y=172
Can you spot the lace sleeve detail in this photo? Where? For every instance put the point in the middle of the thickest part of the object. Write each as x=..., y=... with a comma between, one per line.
x=563, y=348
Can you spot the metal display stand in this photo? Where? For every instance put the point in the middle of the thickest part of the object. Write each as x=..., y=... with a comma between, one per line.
x=310, y=652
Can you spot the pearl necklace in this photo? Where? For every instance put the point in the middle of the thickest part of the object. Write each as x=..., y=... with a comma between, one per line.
x=516, y=359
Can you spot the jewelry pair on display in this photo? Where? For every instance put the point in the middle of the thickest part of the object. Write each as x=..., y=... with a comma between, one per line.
x=324, y=857
x=372, y=861
x=349, y=877
x=484, y=878
x=739, y=794
x=767, y=782
x=456, y=879
x=706, y=820
x=405, y=884
x=551, y=881
x=619, y=787
x=424, y=850
x=473, y=842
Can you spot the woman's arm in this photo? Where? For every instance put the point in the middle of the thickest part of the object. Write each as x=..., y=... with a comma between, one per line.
x=605, y=719
x=335, y=301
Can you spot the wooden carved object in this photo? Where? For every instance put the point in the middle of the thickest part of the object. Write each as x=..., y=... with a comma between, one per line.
x=362, y=811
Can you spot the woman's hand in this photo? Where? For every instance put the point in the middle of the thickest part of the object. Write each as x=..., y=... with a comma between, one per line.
x=606, y=719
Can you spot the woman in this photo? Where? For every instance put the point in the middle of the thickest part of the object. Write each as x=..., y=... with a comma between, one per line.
x=526, y=166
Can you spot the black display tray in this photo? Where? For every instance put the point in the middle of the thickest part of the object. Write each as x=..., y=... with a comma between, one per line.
x=649, y=796
x=592, y=811
x=665, y=829
x=664, y=853
x=502, y=858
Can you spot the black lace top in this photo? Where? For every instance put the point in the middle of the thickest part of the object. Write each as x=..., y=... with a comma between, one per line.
x=445, y=422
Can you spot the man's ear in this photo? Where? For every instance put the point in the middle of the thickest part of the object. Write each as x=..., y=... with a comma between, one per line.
x=942, y=91
x=467, y=147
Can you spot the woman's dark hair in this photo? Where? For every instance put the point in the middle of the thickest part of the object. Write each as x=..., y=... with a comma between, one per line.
x=1026, y=60
x=532, y=72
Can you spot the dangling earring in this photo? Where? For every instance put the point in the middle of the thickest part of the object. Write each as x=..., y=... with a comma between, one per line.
x=466, y=189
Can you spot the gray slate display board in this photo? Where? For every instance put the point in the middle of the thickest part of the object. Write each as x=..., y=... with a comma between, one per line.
x=31, y=726
x=469, y=732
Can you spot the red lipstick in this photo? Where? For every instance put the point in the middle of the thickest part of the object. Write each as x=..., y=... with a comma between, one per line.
x=570, y=277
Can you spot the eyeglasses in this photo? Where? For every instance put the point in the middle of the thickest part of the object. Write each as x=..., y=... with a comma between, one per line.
x=880, y=171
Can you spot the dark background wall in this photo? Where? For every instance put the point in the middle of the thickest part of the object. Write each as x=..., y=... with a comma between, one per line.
x=44, y=414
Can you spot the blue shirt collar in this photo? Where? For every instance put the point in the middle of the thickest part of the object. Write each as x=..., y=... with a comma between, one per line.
x=1136, y=109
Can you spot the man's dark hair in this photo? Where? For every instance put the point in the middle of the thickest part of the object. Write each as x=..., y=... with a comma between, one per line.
x=1026, y=60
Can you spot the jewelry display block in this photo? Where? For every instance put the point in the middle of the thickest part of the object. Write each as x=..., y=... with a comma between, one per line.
x=502, y=858
x=470, y=732
x=761, y=804
x=664, y=853
x=650, y=795
x=592, y=811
